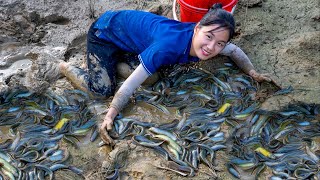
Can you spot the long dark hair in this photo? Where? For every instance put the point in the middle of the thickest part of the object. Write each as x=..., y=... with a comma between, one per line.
x=218, y=16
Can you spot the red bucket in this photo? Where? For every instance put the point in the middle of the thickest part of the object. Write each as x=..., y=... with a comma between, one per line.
x=194, y=10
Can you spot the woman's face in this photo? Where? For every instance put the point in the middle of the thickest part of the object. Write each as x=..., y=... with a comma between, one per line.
x=208, y=41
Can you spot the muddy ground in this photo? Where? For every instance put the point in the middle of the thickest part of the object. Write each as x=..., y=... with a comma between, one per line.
x=281, y=37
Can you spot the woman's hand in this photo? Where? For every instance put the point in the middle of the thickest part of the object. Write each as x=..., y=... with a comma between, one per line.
x=259, y=77
x=107, y=123
x=263, y=77
x=107, y=126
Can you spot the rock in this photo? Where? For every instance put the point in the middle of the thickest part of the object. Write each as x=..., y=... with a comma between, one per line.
x=163, y=10
x=251, y=3
x=25, y=25
x=315, y=15
x=44, y=71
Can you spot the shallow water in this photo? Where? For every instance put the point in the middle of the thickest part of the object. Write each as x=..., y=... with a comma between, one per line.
x=18, y=65
x=4, y=133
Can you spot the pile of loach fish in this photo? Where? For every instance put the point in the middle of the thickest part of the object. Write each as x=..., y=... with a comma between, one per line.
x=36, y=124
x=205, y=101
x=284, y=141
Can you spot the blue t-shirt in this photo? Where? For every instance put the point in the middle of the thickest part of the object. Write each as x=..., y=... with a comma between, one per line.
x=158, y=40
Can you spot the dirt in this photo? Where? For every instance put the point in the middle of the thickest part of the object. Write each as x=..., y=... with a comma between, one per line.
x=282, y=38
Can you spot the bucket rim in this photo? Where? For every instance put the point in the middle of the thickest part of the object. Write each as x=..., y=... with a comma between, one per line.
x=188, y=6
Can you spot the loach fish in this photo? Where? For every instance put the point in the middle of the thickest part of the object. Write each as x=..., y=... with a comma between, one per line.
x=143, y=141
x=37, y=123
x=223, y=108
x=160, y=107
x=233, y=171
x=170, y=141
x=284, y=91
x=163, y=132
x=61, y=123
x=265, y=152
x=9, y=168
x=207, y=103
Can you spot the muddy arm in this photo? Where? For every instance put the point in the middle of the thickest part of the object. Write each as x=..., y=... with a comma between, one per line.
x=124, y=93
x=120, y=99
x=238, y=56
x=243, y=62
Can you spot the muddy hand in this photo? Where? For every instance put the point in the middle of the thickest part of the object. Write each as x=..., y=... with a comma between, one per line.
x=261, y=77
x=105, y=137
x=276, y=84
x=267, y=78
x=106, y=125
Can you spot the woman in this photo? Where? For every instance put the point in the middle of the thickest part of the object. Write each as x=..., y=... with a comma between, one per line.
x=158, y=41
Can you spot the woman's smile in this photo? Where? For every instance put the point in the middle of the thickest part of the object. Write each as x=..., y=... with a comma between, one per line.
x=205, y=52
x=208, y=41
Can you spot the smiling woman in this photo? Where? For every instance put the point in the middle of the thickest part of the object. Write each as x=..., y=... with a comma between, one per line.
x=212, y=35
x=157, y=41
x=208, y=41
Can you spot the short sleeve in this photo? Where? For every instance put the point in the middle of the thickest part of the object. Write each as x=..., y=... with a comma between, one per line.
x=156, y=56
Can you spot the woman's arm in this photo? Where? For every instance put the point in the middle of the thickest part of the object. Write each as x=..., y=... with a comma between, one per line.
x=238, y=56
x=123, y=95
x=243, y=61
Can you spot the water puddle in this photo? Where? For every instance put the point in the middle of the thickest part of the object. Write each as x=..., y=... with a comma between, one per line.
x=19, y=65
x=4, y=133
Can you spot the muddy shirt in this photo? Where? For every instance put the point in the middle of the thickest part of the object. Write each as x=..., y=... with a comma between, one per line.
x=158, y=40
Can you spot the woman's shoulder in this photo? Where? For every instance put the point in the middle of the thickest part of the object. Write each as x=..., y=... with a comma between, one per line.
x=131, y=14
